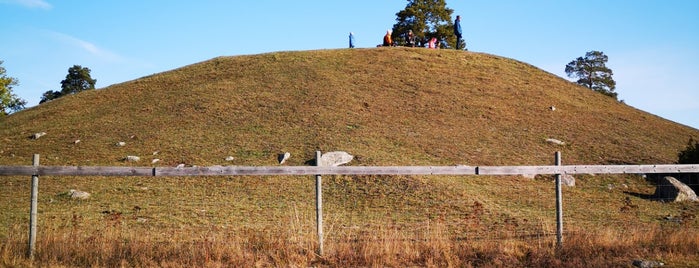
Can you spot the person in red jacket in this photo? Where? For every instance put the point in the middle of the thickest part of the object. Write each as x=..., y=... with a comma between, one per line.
x=387, y=41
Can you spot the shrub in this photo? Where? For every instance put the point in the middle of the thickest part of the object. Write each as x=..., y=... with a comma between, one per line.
x=689, y=155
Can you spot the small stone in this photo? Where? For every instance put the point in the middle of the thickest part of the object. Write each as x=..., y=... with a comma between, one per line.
x=555, y=141
x=283, y=157
x=132, y=158
x=155, y=161
x=121, y=143
x=38, y=135
x=230, y=158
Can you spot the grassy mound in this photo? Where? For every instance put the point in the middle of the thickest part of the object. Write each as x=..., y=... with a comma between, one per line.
x=386, y=106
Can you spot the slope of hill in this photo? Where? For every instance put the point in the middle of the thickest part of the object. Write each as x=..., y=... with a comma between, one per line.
x=387, y=106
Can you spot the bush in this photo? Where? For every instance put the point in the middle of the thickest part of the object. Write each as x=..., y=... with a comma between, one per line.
x=689, y=155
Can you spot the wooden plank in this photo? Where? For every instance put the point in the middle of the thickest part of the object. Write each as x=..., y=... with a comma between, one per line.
x=94, y=171
x=341, y=170
x=314, y=170
x=18, y=170
x=75, y=171
x=587, y=169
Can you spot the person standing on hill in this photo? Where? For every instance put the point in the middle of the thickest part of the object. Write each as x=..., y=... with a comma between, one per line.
x=387, y=42
x=457, y=31
x=351, y=40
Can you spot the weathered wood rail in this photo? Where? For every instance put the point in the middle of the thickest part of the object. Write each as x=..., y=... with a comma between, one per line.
x=36, y=170
x=340, y=170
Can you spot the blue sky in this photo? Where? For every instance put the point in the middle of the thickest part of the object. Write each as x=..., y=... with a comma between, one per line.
x=652, y=45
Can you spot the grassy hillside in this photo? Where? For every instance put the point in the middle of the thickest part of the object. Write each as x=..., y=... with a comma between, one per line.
x=386, y=106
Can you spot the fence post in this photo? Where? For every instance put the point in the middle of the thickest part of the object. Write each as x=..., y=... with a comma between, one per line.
x=319, y=206
x=559, y=204
x=33, y=210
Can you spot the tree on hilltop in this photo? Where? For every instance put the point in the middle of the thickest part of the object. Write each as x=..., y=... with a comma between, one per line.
x=427, y=19
x=9, y=102
x=78, y=79
x=593, y=73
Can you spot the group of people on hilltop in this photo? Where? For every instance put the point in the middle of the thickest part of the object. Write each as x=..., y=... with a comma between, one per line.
x=411, y=40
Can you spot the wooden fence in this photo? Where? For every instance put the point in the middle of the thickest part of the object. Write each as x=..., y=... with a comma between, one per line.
x=36, y=170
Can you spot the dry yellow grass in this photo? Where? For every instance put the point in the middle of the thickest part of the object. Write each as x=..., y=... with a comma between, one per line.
x=386, y=106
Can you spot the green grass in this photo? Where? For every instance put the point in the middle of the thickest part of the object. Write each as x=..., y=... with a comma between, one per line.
x=386, y=106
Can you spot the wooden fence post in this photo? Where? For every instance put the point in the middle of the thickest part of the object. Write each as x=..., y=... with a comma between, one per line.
x=319, y=206
x=559, y=204
x=33, y=210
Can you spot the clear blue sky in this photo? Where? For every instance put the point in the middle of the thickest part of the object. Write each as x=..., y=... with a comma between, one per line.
x=653, y=45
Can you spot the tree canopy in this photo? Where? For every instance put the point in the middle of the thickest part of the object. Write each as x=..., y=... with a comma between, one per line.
x=9, y=102
x=78, y=79
x=689, y=155
x=593, y=73
x=427, y=19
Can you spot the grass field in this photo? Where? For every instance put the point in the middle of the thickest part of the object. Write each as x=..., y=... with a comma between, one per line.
x=369, y=221
x=386, y=106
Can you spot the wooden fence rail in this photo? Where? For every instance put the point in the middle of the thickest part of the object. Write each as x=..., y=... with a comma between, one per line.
x=340, y=170
x=35, y=171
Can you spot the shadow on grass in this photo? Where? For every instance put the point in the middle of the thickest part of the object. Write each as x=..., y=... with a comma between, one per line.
x=651, y=197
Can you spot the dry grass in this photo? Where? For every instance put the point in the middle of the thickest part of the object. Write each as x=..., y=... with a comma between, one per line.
x=386, y=106
x=430, y=246
x=377, y=221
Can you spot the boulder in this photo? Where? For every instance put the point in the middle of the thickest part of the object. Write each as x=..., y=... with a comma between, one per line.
x=670, y=189
x=335, y=159
x=75, y=194
x=568, y=180
x=647, y=264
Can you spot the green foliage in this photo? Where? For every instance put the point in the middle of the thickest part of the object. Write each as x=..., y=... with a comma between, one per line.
x=50, y=95
x=9, y=102
x=427, y=19
x=592, y=72
x=689, y=155
x=78, y=79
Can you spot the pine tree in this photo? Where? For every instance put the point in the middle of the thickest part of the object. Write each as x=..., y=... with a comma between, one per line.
x=427, y=19
x=593, y=73
x=78, y=79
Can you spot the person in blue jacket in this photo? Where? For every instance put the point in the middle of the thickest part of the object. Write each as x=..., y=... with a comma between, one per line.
x=457, y=31
x=351, y=40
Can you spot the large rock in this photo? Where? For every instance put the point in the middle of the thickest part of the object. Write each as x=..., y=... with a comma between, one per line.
x=647, y=264
x=568, y=180
x=75, y=194
x=335, y=159
x=670, y=189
